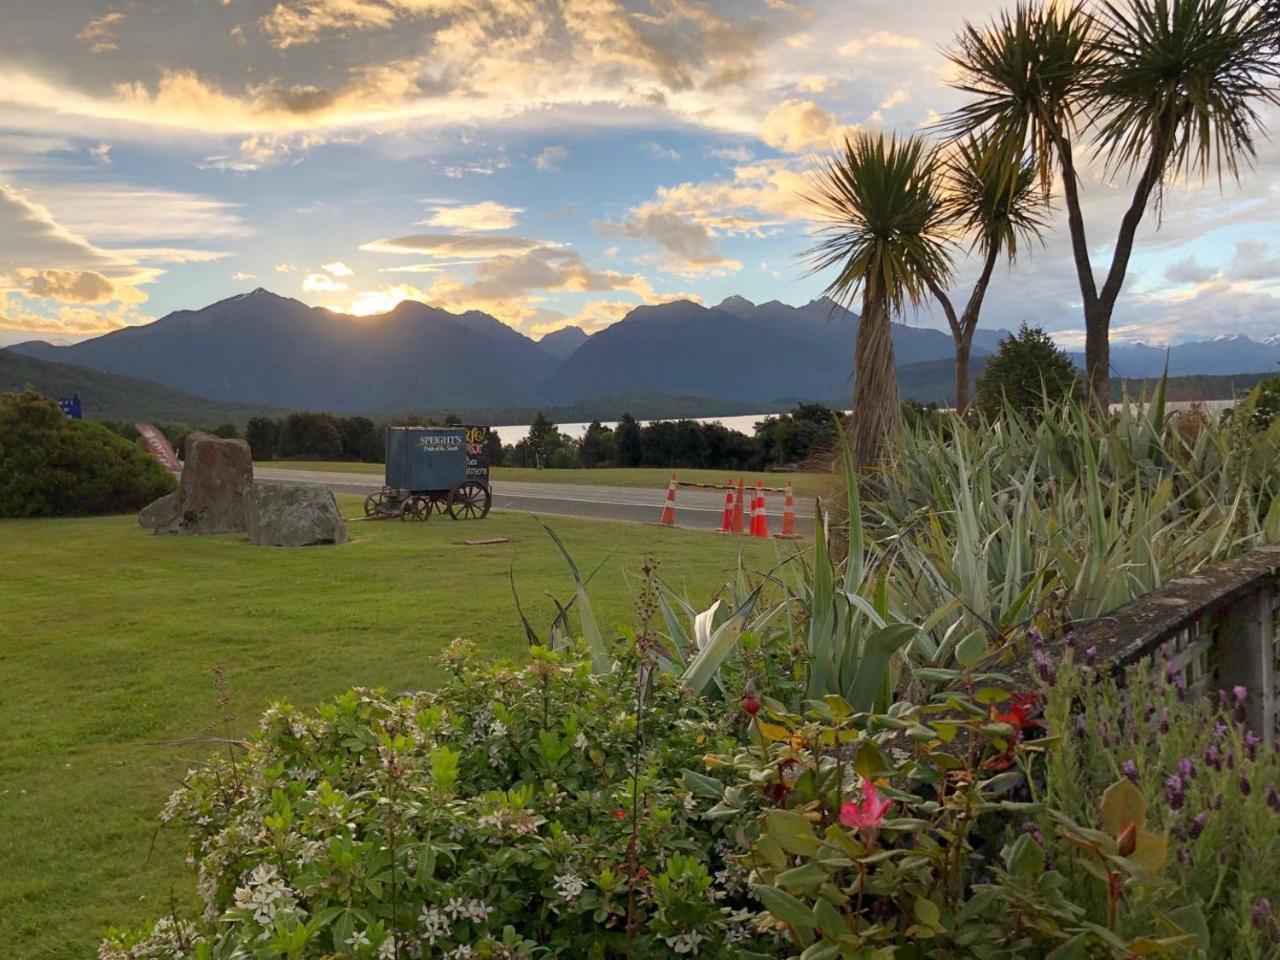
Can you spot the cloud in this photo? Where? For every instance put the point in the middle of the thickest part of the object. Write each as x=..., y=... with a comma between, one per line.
x=799, y=125
x=284, y=267
x=61, y=325
x=101, y=153
x=550, y=158
x=662, y=153
x=68, y=286
x=1188, y=270
x=337, y=268
x=322, y=283
x=99, y=33
x=1254, y=261
x=486, y=215
x=120, y=213
x=687, y=245
x=878, y=40
x=446, y=245
x=41, y=258
x=894, y=99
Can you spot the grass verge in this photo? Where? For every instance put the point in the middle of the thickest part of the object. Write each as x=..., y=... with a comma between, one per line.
x=108, y=637
x=804, y=484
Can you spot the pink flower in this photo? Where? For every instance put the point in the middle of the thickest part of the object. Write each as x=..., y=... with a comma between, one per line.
x=869, y=814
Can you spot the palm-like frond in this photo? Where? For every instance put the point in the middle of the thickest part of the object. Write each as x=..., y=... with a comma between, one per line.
x=883, y=220
x=1184, y=81
x=1029, y=74
x=992, y=196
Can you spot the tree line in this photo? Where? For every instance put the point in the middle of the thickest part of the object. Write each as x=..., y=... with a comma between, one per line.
x=803, y=436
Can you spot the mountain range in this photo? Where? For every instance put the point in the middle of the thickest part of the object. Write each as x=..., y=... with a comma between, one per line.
x=267, y=350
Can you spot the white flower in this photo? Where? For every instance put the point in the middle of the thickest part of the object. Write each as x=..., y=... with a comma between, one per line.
x=478, y=911
x=497, y=729
x=435, y=925
x=580, y=742
x=456, y=907
x=569, y=886
x=387, y=950
x=358, y=939
x=463, y=952
x=686, y=942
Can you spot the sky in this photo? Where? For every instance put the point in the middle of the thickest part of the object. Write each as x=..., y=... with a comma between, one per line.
x=552, y=162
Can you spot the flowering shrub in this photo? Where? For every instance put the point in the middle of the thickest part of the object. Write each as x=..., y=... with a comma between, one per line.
x=1207, y=782
x=912, y=834
x=514, y=812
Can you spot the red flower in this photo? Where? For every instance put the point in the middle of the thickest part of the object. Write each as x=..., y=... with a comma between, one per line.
x=869, y=813
x=751, y=705
x=619, y=813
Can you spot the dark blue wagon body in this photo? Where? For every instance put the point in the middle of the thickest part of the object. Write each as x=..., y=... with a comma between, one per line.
x=426, y=459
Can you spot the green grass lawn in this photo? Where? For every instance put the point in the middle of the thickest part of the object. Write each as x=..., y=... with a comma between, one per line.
x=804, y=484
x=107, y=640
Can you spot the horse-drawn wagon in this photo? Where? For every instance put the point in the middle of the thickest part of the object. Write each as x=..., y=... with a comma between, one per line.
x=433, y=469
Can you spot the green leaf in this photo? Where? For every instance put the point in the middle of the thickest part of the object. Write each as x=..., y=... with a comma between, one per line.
x=972, y=649
x=877, y=650
x=785, y=907
x=927, y=913
x=1122, y=804
x=714, y=647
x=702, y=785
x=792, y=832
x=805, y=878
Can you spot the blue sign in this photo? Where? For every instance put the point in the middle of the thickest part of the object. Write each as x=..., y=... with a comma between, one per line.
x=70, y=406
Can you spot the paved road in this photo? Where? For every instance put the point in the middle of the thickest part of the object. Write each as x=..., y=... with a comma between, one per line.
x=699, y=509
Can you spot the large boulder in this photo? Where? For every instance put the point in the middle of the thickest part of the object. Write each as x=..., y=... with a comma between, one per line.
x=210, y=497
x=292, y=515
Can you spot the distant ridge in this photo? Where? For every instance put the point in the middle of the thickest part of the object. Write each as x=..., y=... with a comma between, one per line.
x=264, y=349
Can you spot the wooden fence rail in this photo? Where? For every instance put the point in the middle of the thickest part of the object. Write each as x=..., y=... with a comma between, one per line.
x=1217, y=628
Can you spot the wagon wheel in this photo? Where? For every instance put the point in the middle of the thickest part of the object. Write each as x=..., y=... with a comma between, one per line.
x=373, y=504
x=416, y=508
x=471, y=500
x=438, y=501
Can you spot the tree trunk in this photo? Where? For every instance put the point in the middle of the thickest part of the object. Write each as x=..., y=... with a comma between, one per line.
x=962, y=372
x=875, y=388
x=1097, y=354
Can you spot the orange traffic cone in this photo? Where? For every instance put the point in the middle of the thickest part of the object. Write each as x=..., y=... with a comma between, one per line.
x=759, y=522
x=726, y=524
x=669, y=510
x=738, y=505
x=788, y=517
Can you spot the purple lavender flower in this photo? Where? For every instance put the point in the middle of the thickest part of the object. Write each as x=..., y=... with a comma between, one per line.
x=1186, y=768
x=1197, y=825
x=1069, y=641
x=1180, y=685
x=1231, y=759
x=1220, y=730
x=1035, y=636
x=1261, y=913
x=1212, y=757
x=1273, y=798
x=1184, y=856
x=1251, y=741
x=1246, y=787
x=1242, y=704
x=1215, y=803
x=1078, y=724
x=1264, y=920
x=1173, y=791
x=1029, y=826
x=1090, y=655
x=1164, y=719
x=1130, y=770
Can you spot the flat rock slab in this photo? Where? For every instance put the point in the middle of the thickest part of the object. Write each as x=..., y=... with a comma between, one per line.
x=294, y=515
x=210, y=497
